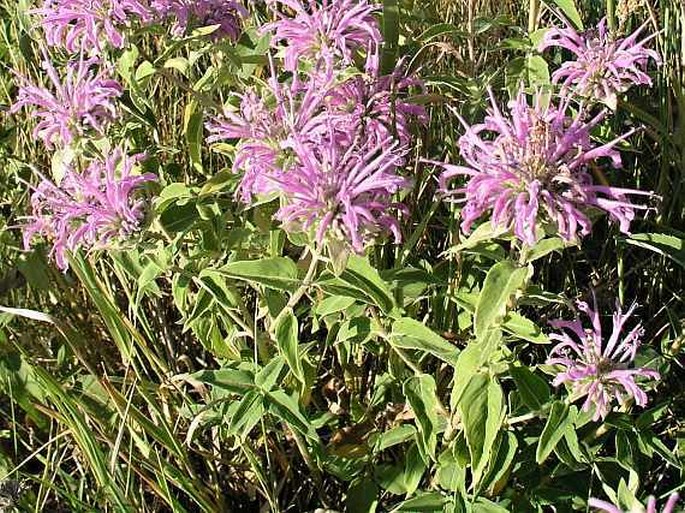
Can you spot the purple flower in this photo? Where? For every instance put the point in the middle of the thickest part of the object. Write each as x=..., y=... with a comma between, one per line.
x=89, y=210
x=530, y=168
x=266, y=126
x=596, y=369
x=651, y=505
x=379, y=104
x=227, y=14
x=343, y=194
x=358, y=112
x=83, y=102
x=604, y=66
x=89, y=24
x=328, y=32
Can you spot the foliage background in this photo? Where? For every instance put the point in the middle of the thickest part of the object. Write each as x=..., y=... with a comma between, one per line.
x=147, y=382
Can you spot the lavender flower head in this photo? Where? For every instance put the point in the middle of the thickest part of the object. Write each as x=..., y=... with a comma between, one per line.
x=651, y=505
x=358, y=111
x=328, y=32
x=266, y=125
x=89, y=24
x=596, y=369
x=530, y=168
x=90, y=210
x=604, y=66
x=343, y=193
x=227, y=14
x=378, y=104
x=85, y=101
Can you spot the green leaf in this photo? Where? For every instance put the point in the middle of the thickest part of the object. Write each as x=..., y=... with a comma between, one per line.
x=287, y=339
x=437, y=30
x=568, y=7
x=279, y=273
x=502, y=281
x=451, y=474
x=144, y=70
x=420, y=392
x=661, y=243
x=485, y=232
x=523, y=328
x=193, y=130
x=476, y=354
x=215, y=283
x=250, y=410
x=403, y=479
x=333, y=304
x=410, y=334
x=559, y=418
x=483, y=505
x=426, y=502
x=533, y=389
x=360, y=281
x=544, y=248
x=357, y=329
x=217, y=183
x=362, y=496
x=232, y=380
x=286, y=409
x=172, y=193
x=571, y=441
x=126, y=63
x=180, y=64
x=268, y=376
x=482, y=412
x=360, y=274
x=394, y=436
x=537, y=70
x=178, y=218
x=500, y=466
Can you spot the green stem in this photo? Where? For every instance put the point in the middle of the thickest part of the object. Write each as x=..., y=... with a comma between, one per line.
x=533, y=12
x=611, y=15
x=297, y=295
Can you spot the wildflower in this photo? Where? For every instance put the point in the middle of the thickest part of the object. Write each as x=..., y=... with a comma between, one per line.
x=83, y=102
x=89, y=24
x=330, y=32
x=596, y=369
x=267, y=125
x=343, y=193
x=604, y=66
x=531, y=168
x=378, y=104
x=651, y=505
x=89, y=210
x=227, y=14
x=323, y=113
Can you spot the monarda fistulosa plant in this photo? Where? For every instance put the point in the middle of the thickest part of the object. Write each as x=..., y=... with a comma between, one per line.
x=343, y=256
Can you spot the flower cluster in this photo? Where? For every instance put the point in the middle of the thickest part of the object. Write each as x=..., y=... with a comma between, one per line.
x=598, y=369
x=329, y=142
x=651, y=505
x=604, y=66
x=327, y=34
x=94, y=204
x=83, y=102
x=226, y=14
x=346, y=194
x=89, y=210
x=532, y=167
x=89, y=24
